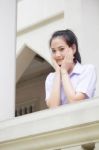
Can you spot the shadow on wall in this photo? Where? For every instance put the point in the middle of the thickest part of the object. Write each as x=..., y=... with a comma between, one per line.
x=31, y=72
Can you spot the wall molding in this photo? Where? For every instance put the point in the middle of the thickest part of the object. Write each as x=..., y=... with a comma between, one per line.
x=40, y=24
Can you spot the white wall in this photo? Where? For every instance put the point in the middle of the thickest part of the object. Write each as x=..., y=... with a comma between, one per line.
x=34, y=27
x=38, y=40
x=7, y=58
x=83, y=17
x=31, y=12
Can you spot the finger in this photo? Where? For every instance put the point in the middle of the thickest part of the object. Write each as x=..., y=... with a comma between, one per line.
x=69, y=56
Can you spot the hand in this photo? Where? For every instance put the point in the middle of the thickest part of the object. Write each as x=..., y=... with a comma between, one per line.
x=68, y=60
x=56, y=66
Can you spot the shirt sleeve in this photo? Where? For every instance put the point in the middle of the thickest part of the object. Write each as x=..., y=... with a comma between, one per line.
x=87, y=82
x=48, y=85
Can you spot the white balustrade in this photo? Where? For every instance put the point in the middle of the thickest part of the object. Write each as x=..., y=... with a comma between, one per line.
x=60, y=128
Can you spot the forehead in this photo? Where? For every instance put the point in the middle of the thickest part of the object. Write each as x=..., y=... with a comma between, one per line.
x=58, y=41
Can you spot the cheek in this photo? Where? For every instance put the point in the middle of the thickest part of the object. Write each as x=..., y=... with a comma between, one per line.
x=53, y=55
x=64, y=52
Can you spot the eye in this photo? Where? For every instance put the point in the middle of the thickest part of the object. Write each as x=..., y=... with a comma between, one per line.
x=53, y=51
x=62, y=48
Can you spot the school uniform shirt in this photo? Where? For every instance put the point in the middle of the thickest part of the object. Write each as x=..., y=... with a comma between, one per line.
x=83, y=79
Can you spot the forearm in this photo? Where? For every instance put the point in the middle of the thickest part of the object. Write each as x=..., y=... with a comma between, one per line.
x=54, y=99
x=68, y=88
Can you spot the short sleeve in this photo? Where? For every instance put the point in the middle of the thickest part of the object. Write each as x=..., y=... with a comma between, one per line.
x=48, y=85
x=87, y=81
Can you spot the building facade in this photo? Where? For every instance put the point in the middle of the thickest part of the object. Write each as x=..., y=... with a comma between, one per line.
x=36, y=21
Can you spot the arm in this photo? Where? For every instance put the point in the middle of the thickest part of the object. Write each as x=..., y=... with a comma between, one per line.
x=67, y=66
x=54, y=98
x=71, y=95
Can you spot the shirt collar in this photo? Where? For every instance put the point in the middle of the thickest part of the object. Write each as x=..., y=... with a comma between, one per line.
x=77, y=69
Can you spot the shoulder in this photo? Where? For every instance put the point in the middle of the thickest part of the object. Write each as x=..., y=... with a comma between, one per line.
x=88, y=72
x=88, y=68
x=83, y=68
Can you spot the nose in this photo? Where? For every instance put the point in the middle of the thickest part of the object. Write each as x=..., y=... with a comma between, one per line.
x=58, y=54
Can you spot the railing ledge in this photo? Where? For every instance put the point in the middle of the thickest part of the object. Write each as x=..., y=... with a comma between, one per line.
x=65, y=126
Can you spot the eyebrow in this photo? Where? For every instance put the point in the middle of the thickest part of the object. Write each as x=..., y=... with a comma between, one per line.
x=57, y=47
x=60, y=46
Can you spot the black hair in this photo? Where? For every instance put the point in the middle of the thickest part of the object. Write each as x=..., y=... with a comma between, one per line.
x=70, y=38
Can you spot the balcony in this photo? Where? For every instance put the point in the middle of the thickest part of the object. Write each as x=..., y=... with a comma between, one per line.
x=66, y=127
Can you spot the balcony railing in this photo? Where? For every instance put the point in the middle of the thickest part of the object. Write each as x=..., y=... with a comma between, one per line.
x=52, y=129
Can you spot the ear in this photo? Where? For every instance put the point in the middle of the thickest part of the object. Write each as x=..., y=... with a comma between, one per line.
x=74, y=48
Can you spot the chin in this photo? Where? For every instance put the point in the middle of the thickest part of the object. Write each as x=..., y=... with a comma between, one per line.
x=60, y=65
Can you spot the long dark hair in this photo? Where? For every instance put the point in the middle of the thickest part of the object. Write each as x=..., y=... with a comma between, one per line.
x=71, y=39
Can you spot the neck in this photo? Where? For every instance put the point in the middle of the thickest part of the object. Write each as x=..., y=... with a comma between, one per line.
x=71, y=68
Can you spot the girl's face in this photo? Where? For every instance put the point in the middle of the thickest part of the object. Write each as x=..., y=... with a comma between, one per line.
x=59, y=49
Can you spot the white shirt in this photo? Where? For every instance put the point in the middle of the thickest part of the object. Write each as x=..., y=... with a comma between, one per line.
x=83, y=79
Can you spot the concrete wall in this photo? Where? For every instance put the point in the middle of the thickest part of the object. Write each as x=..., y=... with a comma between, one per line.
x=35, y=26
x=31, y=12
x=7, y=58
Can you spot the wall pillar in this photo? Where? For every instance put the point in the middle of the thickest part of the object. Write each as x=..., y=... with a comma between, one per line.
x=7, y=58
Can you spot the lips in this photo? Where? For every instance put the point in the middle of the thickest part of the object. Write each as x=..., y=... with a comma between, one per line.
x=59, y=61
